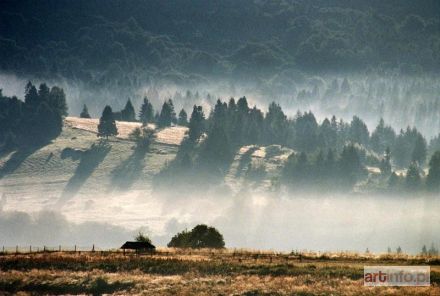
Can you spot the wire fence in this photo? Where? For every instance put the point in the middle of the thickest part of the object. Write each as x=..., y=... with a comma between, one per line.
x=50, y=249
x=241, y=255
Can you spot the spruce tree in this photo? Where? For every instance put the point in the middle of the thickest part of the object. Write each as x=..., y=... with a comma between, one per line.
x=183, y=118
x=167, y=114
x=44, y=92
x=382, y=137
x=107, y=125
x=275, y=125
x=433, y=179
x=57, y=100
x=216, y=152
x=413, y=179
x=358, y=132
x=85, y=112
x=420, y=150
x=173, y=112
x=128, y=113
x=196, y=123
x=146, y=115
x=350, y=166
x=31, y=98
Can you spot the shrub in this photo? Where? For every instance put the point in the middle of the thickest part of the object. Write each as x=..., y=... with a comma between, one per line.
x=200, y=236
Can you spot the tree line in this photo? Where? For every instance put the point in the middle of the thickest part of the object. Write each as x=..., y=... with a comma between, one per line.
x=166, y=117
x=333, y=153
x=137, y=41
x=324, y=151
x=34, y=121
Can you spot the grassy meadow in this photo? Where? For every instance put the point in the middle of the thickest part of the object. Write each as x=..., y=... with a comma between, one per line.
x=202, y=272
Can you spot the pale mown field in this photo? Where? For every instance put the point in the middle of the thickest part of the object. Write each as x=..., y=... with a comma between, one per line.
x=205, y=272
x=88, y=187
x=111, y=183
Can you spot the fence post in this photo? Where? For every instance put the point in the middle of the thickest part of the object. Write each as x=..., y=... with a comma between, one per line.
x=44, y=249
x=16, y=249
x=93, y=248
x=75, y=248
x=59, y=248
x=3, y=249
x=30, y=249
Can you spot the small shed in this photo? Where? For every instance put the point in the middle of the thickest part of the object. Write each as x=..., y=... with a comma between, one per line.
x=139, y=247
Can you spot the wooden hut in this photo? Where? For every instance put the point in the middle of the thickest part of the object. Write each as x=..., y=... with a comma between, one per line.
x=138, y=247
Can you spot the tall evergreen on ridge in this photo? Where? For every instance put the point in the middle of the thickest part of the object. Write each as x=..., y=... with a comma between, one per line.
x=196, y=123
x=305, y=132
x=128, y=113
x=57, y=100
x=31, y=98
x=413, y=179
x=409, y=146
x=173, y=112
x=216, y=151
x=85, y=112
x=350, y=166
x=107, y=125
x=183, y=118
x=146, y=114
x=275, y=125
x=167, y=114
x=420, y=150
x=382, y=137
x=43, y=114
x=358, y=132
x=433, y=179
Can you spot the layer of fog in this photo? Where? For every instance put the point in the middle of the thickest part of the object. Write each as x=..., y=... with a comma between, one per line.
x=400, y=100
x=247, y=220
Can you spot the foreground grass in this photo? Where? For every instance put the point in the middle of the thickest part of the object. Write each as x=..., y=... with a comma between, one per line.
x=203, y=273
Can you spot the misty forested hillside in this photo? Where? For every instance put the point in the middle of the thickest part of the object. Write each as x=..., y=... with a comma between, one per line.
x=125, y=42
x=368, y=58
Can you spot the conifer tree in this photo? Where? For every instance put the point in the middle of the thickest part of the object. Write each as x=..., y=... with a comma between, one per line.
x=433, y=179
x=183, y=118
x=196, y=123
x=146, y=114
x=216, y=152
x=85, y=112
x=420, y=150
x=413, y=179
x=128, y=113
x=57, y=100
x=167, y=114
x=107, y=125
x=350, y=166
x=31, y=98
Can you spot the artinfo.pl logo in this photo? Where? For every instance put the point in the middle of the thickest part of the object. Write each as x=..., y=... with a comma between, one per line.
x=397, y=275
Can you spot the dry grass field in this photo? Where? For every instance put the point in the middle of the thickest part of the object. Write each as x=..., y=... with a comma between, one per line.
x=202, y=272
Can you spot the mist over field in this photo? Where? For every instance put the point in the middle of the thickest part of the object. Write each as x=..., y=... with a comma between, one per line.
x=400, y=100
x=278, y=222
x=370, y=60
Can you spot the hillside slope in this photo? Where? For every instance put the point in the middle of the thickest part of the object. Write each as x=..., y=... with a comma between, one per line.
x=112, y=182
x=76, y=174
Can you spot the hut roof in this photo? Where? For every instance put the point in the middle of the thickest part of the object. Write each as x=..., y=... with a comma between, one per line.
x=137, y=245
